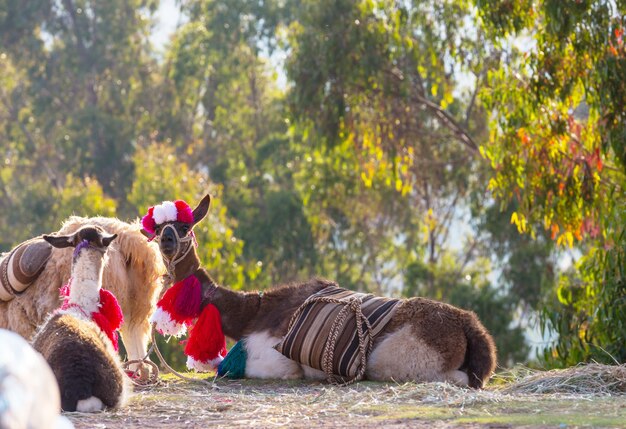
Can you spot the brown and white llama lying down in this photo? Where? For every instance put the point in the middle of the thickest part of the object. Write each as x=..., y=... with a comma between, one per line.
x=79, y=340
x=133, y=274
x=425, y=340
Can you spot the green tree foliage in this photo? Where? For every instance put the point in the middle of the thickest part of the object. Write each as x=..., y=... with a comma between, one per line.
x=227, y=115
x=85, y=71
x=365, y=168
x=557, y=150
x=378, y=95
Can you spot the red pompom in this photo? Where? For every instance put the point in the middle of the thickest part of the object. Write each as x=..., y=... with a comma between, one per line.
x=148, y=222
x=109, y=317
x=110, y=308
x=182, y=300
x=105, y=326
x=184, y=212
x=206, y=339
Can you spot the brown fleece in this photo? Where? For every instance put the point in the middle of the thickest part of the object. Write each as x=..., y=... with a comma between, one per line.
x=82, y=360
x=457, y=335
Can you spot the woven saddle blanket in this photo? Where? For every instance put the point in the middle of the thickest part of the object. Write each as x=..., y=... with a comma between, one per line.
x=323, y=332
x=21, y=266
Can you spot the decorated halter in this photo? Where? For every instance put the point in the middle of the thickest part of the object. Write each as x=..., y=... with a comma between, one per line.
x=180, y=308
x=168, y=211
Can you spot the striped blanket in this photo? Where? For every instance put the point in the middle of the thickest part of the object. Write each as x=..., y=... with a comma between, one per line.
x=324, y=332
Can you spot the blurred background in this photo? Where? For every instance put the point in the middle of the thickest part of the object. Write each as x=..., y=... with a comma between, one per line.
x=468, y=151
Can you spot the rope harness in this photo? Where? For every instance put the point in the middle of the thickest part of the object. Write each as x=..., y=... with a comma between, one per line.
x=147, y=376
x=170, y=263
x=365, y=335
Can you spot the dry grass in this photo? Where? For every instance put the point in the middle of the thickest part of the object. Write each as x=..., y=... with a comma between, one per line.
x=589, y=379
x=514, y=400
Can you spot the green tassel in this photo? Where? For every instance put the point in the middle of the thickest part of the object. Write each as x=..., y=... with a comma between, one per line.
x=234, y=364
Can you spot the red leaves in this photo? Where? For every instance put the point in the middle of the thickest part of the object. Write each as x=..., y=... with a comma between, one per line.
x=554, y=231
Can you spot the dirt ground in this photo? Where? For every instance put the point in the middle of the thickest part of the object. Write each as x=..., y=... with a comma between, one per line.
x=253, y=403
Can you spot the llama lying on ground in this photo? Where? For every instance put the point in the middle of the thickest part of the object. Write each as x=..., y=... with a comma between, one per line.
x=424, y=340
x=79, y=341
x=133, y=274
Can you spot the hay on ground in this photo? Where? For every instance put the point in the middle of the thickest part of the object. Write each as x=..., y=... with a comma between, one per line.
x=584, y=379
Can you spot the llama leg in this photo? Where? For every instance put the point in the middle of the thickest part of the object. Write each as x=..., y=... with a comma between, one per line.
x=136, y=337
x=265, y=362
x=313, y=374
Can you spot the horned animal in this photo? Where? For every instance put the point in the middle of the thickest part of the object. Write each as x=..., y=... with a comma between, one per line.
x=133, y=273
x=79, y=340
x=424, y=340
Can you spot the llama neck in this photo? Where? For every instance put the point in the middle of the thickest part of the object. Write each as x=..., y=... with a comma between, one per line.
x=87, y=280
x=188, y=266
x=237, y=309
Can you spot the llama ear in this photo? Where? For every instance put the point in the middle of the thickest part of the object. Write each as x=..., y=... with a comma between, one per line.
x=107, y=239
x=203, y=208
x=147, y=234
x=60, y=241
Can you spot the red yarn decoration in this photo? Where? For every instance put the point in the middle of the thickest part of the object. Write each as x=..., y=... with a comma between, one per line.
x=148, y=222
x=109, y=316
x=185, y=214
x=110, y=308
x=182, y=300
x=206, y=339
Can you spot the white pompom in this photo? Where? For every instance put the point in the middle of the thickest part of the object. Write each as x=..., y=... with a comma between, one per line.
x=170, y=211
x=165, y=325
x=159, y=215
x=207, y=366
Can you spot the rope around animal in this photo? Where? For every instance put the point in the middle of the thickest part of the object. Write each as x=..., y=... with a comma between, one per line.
x=365, y=335
x=141, y=378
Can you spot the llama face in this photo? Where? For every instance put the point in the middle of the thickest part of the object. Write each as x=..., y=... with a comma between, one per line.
x=175, y=236
x=171, y=235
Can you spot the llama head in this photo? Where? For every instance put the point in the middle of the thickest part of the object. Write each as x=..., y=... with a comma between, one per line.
x=91, y=243
x=172, y=223
x=88, y=236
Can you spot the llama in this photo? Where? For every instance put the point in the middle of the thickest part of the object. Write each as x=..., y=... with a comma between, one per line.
x=425, y=340
x=79, y=340
x=133, y=274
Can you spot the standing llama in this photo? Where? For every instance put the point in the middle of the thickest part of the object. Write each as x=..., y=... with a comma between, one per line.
x=423, y=340
x=79, y=340
x=133, y=273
